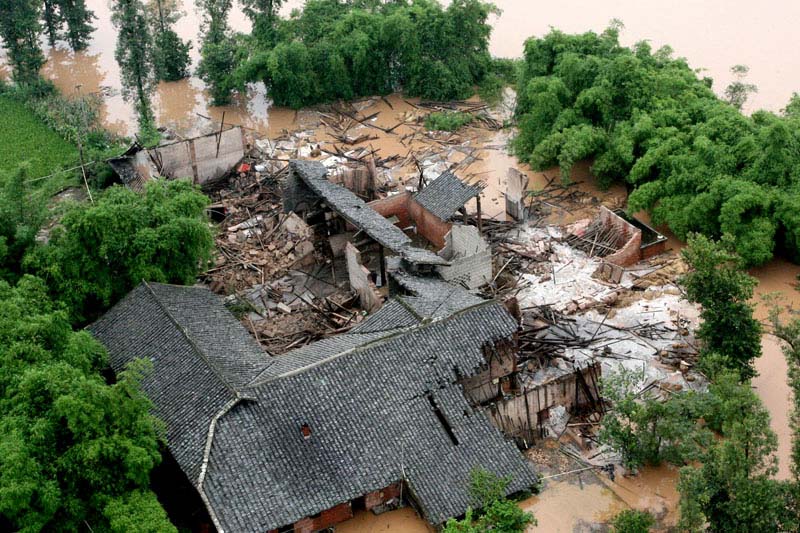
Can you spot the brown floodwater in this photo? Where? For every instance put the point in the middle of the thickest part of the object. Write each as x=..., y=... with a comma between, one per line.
x=711, y=34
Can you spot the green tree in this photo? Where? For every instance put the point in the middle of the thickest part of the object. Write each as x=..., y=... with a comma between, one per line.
x=100, y=252
x=646, y=430
x=733, y=489
x=134, y=54
x=633, y=521
x=495, y=511
x=332, y=50
x=78, y=20
x=21, y=216
x=789, y=332
x=139, y=512
x=730, y=336
x=71, y=446
x=644, y=118
x=170, y=53
x=263, y=15
x=218, y=51
x=52, y=20
x=738, y=91
x=19, y=30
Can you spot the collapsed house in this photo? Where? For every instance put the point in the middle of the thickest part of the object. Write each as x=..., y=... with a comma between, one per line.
x=204, y=159
x=464, y=256
x=364, y=420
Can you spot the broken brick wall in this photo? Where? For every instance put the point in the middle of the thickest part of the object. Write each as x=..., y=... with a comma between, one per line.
x=379, y=500
x=360, y=280
x=395, y=205
x=429, y=226
x=630, y=239
x=410, y=213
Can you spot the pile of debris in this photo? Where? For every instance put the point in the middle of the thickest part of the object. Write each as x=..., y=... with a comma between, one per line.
x=267, y=265
x=571, y=315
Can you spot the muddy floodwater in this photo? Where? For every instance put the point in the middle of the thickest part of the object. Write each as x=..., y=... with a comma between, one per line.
x=713, y=35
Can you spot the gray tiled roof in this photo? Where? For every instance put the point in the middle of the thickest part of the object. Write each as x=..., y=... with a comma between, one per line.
x=432, y=297
x=366, y=397
x=371, y=425
x=202, y=358
x=357, y=212
x=446, y=194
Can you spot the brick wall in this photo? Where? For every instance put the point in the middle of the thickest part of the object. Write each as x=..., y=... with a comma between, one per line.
x=410, y=213
x=630, y=240
x=395, y=205
x=381, y=497
x=326, y=519
x=429, y=226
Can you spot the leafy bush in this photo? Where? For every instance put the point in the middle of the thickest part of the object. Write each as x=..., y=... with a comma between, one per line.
x=332, y=50
x=72, y=448
x=100, y=252
x=633, y=521
x=496, y=513
x=447, y=120
x=646, y=119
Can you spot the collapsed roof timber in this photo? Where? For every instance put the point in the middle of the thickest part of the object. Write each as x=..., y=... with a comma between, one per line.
x=270, y=442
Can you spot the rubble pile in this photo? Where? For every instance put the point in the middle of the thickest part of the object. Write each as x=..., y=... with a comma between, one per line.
x=571, y=315
x=268, y=267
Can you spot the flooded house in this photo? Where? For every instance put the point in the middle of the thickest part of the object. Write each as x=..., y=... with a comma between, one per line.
x=368, y=419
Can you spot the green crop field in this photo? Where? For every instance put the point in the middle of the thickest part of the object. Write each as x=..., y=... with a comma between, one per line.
x=23, y=137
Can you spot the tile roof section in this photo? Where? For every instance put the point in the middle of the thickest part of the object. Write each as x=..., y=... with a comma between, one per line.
x=202, y=358
x=371, y=424
x=446, y=195
x=366, y=397
x=357, y=212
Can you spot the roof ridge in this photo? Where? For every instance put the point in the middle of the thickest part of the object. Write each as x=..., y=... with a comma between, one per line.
x=389, y=335
x=194, y=346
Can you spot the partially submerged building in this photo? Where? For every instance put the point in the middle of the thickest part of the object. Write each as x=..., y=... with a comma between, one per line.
x=363, y=420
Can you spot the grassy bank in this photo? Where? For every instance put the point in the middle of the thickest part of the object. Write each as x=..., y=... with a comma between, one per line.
x=23, y=137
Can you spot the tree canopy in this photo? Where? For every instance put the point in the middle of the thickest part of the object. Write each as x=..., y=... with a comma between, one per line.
x=73, y=450
x=646, y=119
x=341, y=50
x=100, y=252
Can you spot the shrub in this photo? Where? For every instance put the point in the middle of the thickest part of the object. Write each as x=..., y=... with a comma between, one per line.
x=447, y=120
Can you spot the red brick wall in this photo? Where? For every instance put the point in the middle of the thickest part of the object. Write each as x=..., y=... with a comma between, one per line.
x=396, y=205
x=431, y=227
x=326, y=519
x=380, y=497
x=630, y=240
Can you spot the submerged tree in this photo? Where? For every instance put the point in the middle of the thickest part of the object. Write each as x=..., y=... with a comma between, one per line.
x=733, y=489
x=739, y=90
x=134, y=54
x=78, y=20
x=263, y=14
x=731, y=336
x=19, y=29
x=170, y=53
x=52, y=21
x=218, y=52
